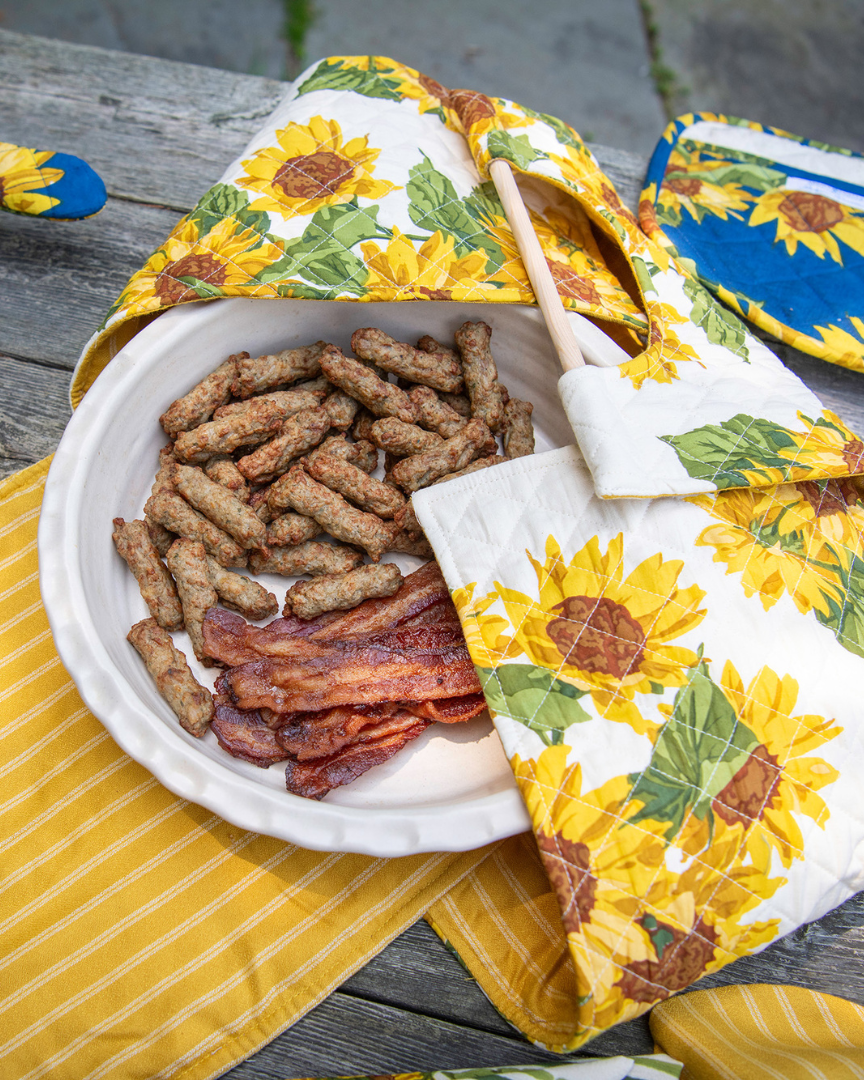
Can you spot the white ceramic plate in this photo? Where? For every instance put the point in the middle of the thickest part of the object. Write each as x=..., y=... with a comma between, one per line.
x=449, y=790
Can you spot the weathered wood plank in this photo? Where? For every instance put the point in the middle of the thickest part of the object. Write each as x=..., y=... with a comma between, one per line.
x=34, y=408
x=58, y=278
x=155, y=130
x=346, y=1036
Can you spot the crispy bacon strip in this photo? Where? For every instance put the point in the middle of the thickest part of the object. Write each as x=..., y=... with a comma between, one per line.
x=245, y=735
x=319, y=735
x=313, y=779
x=453, y=710
x=417, y=664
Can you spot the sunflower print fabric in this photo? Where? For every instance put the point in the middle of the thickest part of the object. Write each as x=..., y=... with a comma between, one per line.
x=43, y=183
x=370, y=183
x=771, y=223
x=675, y=684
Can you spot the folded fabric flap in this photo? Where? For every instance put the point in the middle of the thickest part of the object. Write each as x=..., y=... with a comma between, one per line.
x=362, y=187
x=673, y=681
x=772, y=223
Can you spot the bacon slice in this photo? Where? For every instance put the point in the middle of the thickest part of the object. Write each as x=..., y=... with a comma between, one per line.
x=245, y=735
x=455, y=710
x=313, y=779
x=320, y=735
x=420, y=663
x=231, y=639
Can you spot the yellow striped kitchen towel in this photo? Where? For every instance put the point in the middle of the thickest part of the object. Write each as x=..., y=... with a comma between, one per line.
x=762, y=1033
x=140, y=935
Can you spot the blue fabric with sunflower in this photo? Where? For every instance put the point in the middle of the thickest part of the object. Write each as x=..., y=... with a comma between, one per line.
x=771, y=223
x=43, y=183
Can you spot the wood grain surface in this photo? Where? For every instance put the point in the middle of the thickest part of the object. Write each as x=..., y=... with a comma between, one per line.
x=160, y=133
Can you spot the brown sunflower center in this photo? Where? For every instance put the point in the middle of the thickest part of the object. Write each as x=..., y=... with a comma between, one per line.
x=568, y=865
x=471, y=107
x=435, y=89
x=571, y=284
x=806, y=212
x=750, y=791
x=830, y=498
x=313, y=176
x=681, y=958
x=853, y=454
x=684, y=185
x=598, y=635
x=200, y=265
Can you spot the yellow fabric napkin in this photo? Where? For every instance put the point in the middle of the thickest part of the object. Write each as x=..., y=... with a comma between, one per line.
x=141, y=935
x=762, y=1033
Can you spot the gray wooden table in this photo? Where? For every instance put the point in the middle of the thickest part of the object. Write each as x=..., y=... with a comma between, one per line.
x=160, y=133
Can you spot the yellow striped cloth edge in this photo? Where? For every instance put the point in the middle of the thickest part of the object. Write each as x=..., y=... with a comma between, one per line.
x=140, y=935
x=762, y=1032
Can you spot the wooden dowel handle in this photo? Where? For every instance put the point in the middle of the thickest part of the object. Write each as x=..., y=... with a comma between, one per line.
x=538, y=270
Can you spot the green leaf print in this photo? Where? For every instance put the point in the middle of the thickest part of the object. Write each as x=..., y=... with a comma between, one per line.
x=322, y=255
x=645, y=274
x=337, y=75
x=845, y=614
x=726, y=453
x=222, y=201
x=698, y=751
x=720, y=325
x=533, y=697
x=435, y=206
x=515, y=148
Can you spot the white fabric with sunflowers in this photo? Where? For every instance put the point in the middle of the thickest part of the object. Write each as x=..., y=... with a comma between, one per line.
x=676, y=684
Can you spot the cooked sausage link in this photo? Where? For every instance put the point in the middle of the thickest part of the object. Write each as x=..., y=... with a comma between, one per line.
x=310, y=557
x=437, y=370
x=419, y=471
x=265, y=372
x=363, y=490
x=187, y=561
x=191, y=702
x=198, y=405
x=481, y=374
x=518, y=429
x=336, y=516
x=358, y=380
x=176, y=514
x=133, y=543
x=339, y=592
x=220, y=506
x=401, y=439
x=299, y=433
x=240, y=593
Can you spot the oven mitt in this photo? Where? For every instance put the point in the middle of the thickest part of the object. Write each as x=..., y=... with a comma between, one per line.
x=676, y=683
x=43, y=183
x=771, y=223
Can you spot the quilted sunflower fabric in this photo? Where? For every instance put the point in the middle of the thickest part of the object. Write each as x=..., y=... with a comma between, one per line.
x=43, y=183
x=370, y=183
x=675, y=682
x=771, y=223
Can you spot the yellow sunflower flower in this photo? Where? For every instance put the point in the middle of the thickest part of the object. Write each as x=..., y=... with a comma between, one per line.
x=434, y=272
x=848, y=348
x=696, y=923
x=791, y=539
x=812, y=220
x=603, y=633
x=600, y=868
x=312, y=167
x=226, y=258
x=22, y=177
x=780, y=779
x=485, y=633
x=682, y=190
x=582, y=280
x=829, y=446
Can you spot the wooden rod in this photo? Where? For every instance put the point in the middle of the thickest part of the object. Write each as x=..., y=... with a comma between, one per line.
x=539, y=274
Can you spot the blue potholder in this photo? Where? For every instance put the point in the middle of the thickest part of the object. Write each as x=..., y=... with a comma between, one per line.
x=771, y=223
x=43, y=183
